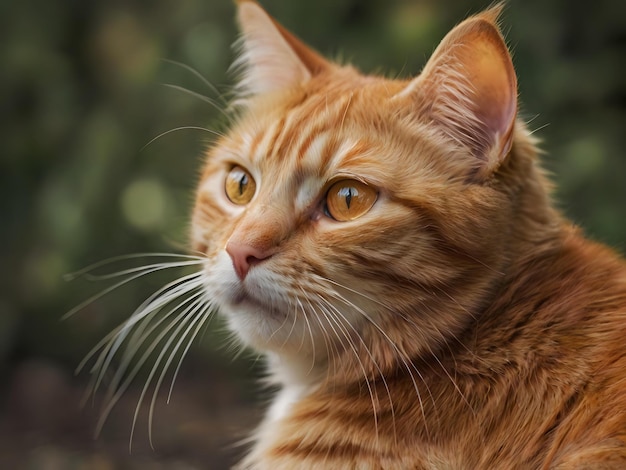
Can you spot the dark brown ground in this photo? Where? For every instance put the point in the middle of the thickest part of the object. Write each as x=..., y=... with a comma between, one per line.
x=44, y=427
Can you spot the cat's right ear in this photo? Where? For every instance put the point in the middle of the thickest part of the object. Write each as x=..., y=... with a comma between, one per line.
x=468, y=89
x=272, y=58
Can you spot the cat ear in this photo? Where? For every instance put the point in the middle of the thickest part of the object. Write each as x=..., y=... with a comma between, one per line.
x=470, y=90
x=272, y=58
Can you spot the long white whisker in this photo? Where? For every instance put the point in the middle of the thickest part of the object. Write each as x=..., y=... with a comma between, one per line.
x=115, y=259
x=181, y=319
x=157, y=300
x=458, y=389
x=186, y=316
x=109, y=289
x=401, y=355
x=206, y=314
x=119, y=390
x=148, y=267
x=293, y=325
x=151, y=309
x=126, y=324
x=308, y=324
x=327, y=342
x=361, y=294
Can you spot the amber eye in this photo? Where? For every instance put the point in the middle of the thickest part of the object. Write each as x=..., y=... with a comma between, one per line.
x=349, y=199
x=240, y=186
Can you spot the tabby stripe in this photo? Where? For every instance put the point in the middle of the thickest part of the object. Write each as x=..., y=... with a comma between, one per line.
x=300, y=122
x=286, y=133
x=256, y=142
x=325, y=452
x=278, y=132
x=207, y=205
x=329, y=151
x=315, y=133
x=442, y=241
x=355, y=152
x=264, y=137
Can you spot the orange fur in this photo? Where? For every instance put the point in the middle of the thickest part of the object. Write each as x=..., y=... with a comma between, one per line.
x=461, y=322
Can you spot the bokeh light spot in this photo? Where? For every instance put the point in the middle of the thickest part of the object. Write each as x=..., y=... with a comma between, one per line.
x=144, y=204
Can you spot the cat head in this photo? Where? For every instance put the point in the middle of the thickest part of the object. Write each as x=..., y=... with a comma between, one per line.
x=346, y=214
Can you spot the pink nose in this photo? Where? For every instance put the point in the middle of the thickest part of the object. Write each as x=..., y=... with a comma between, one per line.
x=244, y=257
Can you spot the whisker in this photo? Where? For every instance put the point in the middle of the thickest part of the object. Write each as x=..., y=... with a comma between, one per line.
x=293, y=325
x=139, y=313
x=148, y=267
x=278, y=329
x=457, y=388
x=308, y=324
x=182, y=128
x=369, y=353
x=197, y=74
x=406, y=361
x=353, y=291
x=151, y=309
x=184, y=317
x=189, y=315
x=206, y=314
x=329, y=316
x=188, y=311
x=110, y=289
x=345, y=111
x=199, y=96
x=327, y=342
x=534, y=131
x=120, y=388
x=115, y=259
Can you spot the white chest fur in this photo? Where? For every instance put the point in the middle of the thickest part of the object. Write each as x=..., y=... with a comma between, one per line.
x=284, y=401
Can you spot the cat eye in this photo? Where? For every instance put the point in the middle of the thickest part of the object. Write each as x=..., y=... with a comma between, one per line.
x=349, y=199
x=240, y=186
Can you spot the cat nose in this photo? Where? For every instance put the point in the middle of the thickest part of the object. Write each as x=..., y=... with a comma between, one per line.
x=245, y=256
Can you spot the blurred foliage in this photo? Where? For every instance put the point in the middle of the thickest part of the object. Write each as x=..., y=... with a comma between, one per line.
x=82, y=93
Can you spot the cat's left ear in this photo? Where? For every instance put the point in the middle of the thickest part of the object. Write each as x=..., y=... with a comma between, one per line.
x=272, y=58
x=468, y=89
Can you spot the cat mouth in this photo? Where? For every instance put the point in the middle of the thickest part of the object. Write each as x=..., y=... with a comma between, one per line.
x=241, y=295
x=242, y=299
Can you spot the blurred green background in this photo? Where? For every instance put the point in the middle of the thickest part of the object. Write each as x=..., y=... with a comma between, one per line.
x=82, y=91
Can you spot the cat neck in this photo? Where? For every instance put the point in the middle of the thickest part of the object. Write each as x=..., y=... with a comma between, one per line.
x=295, y=372
x=297, y=377
x=534, y=222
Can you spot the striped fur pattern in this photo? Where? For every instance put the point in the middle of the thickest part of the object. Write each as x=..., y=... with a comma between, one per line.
x=460, y=322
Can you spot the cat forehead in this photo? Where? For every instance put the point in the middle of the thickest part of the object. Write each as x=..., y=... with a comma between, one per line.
x=309, y=160
x=318, y=136
x=331, y=101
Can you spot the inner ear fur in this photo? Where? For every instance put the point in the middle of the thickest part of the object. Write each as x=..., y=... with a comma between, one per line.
x=272, y=58
x=469, y=90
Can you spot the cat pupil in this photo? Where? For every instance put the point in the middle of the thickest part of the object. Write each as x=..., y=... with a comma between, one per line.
x=243, y=182
x=347, y=192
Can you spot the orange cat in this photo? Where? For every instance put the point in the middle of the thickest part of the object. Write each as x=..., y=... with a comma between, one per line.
x=390, y=245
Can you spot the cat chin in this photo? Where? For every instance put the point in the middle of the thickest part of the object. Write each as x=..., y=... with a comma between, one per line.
x=253, y=311
x=267, y=332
